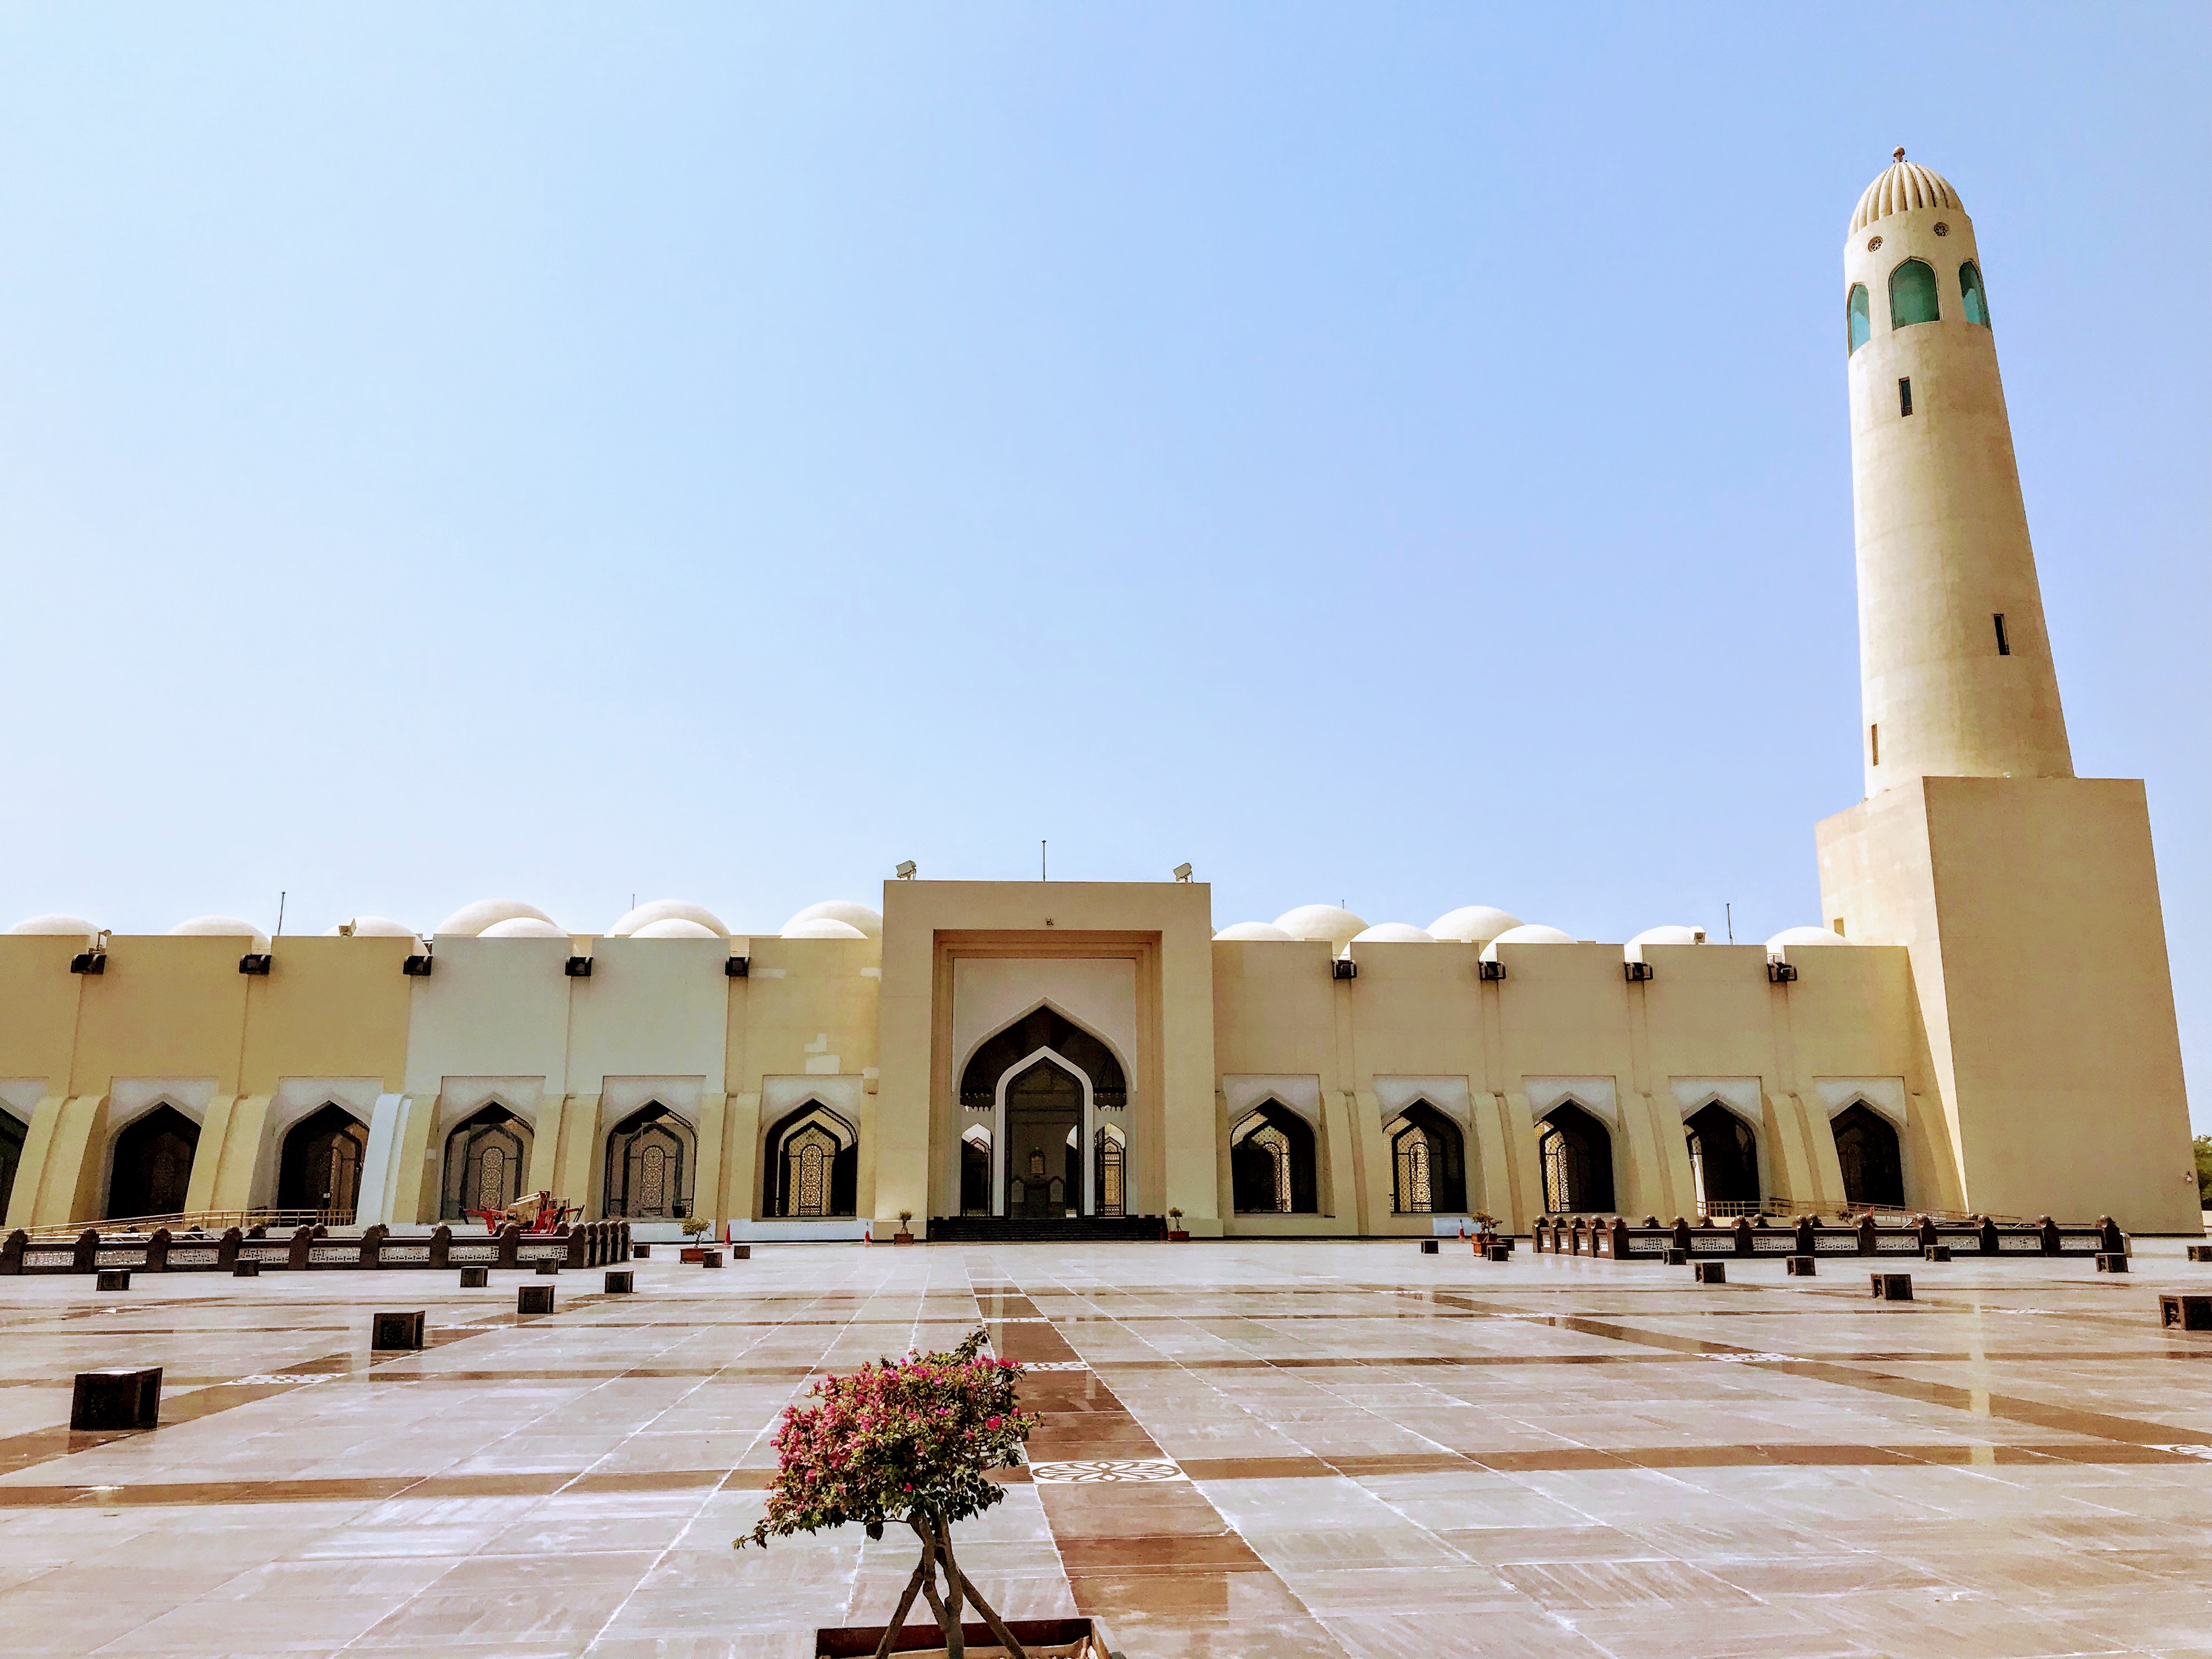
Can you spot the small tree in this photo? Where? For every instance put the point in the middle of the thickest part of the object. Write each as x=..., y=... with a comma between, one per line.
x=908, y=1442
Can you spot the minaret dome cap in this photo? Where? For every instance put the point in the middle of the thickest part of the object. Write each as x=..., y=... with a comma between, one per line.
x=1904, y=185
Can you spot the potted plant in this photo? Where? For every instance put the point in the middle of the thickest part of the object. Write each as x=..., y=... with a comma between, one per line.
x=1176, y=1233
x=910, y=1442
x=902, y=1236
x=695, y=1227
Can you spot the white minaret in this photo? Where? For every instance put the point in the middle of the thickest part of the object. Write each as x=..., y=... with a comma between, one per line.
x=1956, y=678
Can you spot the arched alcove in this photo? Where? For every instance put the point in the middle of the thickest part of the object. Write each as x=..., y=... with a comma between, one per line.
x=487, y=1162
x=1428, y=1162
x=1042, y=1027
x=649, y=1160
x=152, y=1165
x=1575, y=1152
x=1723, y=1160
x=1873, y=1163
x=320, y=1167
x=1272, y=1168
x=1109, y=1180
x=810, y=1165
x=13, y=1132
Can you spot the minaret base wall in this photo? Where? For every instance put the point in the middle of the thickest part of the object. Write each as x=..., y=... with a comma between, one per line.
x=2030, y=911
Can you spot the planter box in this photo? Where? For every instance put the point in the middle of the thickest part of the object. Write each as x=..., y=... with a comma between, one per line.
x=694, y=1254
x=908, y=1238
x=1044, y=1638
x=1176, y=1236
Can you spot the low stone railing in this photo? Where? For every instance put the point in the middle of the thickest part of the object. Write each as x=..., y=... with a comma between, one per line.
x=1619, y=1240
x=591, y=1245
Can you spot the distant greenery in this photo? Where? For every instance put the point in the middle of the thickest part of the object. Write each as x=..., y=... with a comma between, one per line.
x=2204, y=1170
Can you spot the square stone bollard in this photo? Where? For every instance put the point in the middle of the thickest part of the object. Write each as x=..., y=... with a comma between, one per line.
x=105, y=1400
x=2200, y=1252
x=1677, y=1257
x=113, y=1279
x=741, y=1252
x=620, y=1282
x=396, y=1330
x=534, y=1299
x=1428, y=1247
x=710, y=1258
x=246, y=1270
x=1709, y=1272
x=1936, y=1253
x=2111, y=1261
x=640, y=1252
x=547, y=1266
x=474, y=1278
x=2188, y=1313
x=1892, y=1287
x=1800, y=1266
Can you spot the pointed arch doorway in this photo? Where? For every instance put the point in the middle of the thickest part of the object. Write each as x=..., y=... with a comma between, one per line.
x=1055, y=1146
x=1043, y=1143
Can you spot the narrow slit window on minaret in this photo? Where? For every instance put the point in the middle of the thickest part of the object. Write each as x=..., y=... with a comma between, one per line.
x=2004, y=640
x=1904, y=396
x=1874, y=744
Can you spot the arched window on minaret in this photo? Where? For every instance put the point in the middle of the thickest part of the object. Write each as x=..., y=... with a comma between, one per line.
x=1859, y=315
x=1977, y=301
x=1912, y=295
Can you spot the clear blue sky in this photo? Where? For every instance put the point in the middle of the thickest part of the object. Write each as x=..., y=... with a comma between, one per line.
x=1388, y=454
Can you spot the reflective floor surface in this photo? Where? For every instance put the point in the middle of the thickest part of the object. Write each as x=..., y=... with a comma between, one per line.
x=1249, y=1450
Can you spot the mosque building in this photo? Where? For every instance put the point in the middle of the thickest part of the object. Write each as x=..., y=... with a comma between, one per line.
x=1982, y=1020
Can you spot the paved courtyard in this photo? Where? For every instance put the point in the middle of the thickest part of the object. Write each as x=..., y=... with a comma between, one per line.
x=1249, y=1450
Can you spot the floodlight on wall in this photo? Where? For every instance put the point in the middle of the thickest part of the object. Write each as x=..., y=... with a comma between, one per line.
x=905, y=872
x=1636, y=972
x=1343, y=967
x=89, y=962
x=255, y=962
x=1183, y=872
x=738, y=967
x=417, y=967
x=577, y=967
x=1780, y=973
x=1489, y=970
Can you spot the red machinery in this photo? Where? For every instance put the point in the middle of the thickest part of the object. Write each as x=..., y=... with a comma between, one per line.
x=537, y=1212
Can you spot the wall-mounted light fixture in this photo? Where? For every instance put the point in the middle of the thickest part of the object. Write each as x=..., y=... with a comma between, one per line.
x=1636, y=972
x=738, y=967
x=1183, y=872
x=905, y=872
x=577, y=967
x=1343, y=967
x=1780, y=973
x=255, y=962
x=1489, y=970
x=89, y=962
x=417, y=967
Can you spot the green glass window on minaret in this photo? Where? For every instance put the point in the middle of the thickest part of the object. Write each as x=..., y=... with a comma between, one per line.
x=1861, y=322
x=1976, y=300
x=1912, y=295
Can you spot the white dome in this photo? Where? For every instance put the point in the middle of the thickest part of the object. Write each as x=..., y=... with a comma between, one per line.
x=524, y=927
x=677, y=927
x=1254, y=930
x=372, y=928
x=472, y=918
x=1472, y=924
x=1670, y=933
x=1526, y=933
x=870, y=923
x=55, y=923
x=1322, y=921
x=1393, y=932
x=223, y=927
x=821, y=927
x=1790, y=936
x=635, y=923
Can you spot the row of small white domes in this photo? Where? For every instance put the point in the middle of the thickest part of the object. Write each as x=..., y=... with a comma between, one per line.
x=513, y=919
x=1472, y=924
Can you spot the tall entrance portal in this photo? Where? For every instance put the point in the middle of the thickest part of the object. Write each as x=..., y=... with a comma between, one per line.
x=1043, y=1142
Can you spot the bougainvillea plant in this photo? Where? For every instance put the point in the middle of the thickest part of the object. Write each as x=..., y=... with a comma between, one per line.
x=910, y=1443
